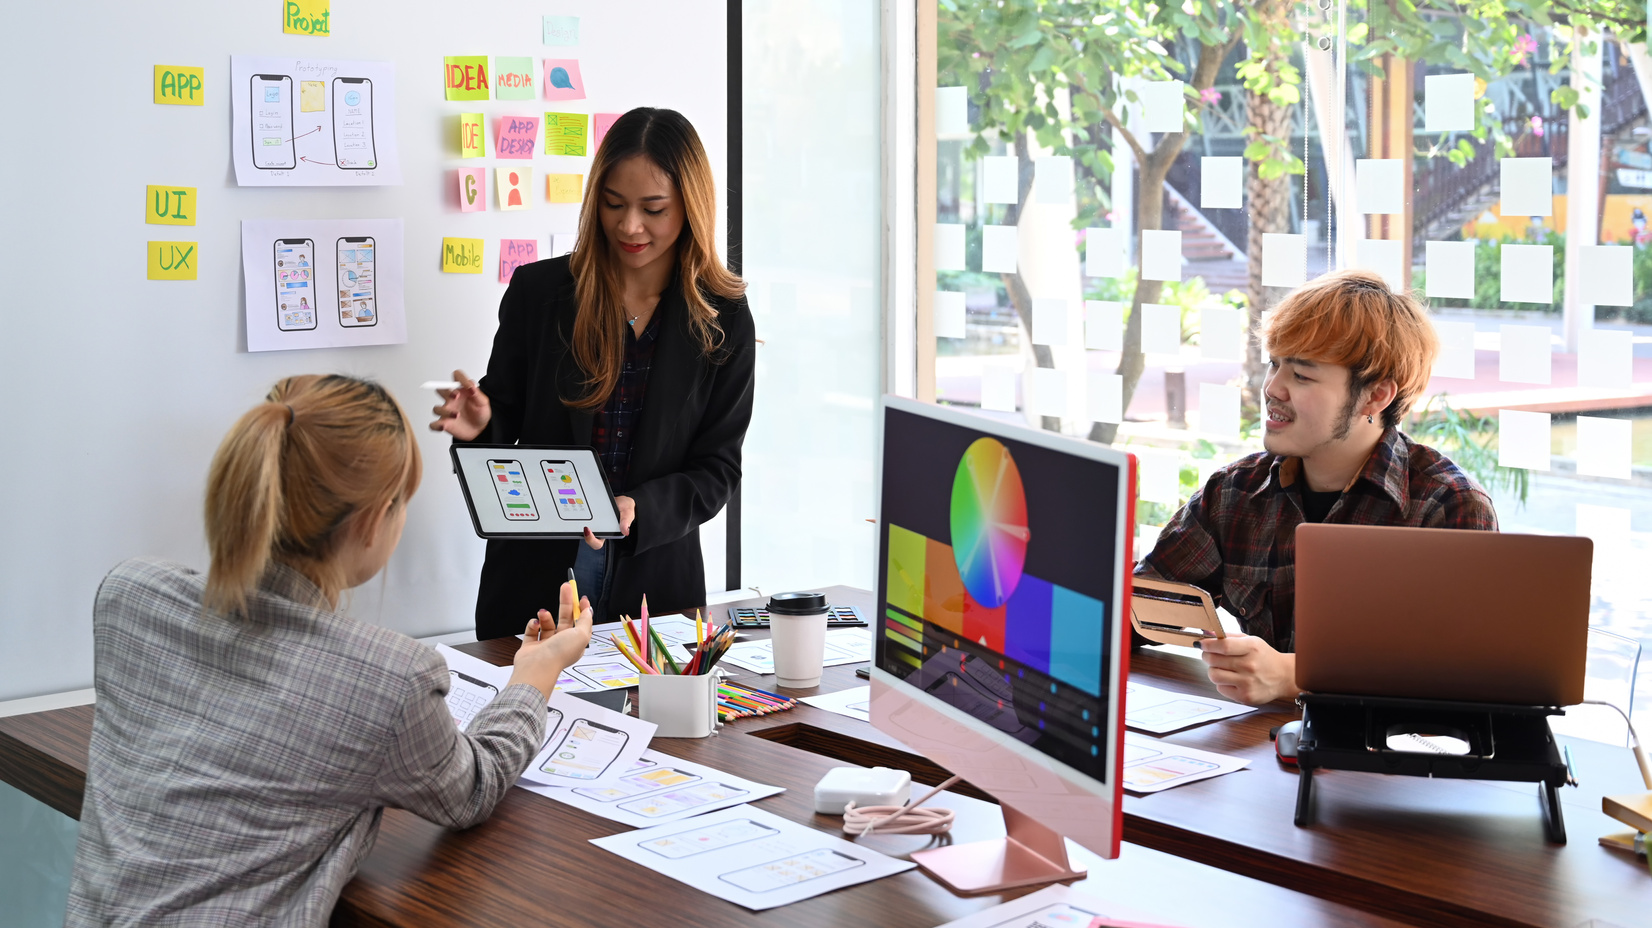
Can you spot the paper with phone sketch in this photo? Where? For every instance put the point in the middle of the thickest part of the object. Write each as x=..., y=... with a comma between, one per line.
x=586, y=744
x=751, y=857
x=322, y=283
x=843, y=646
x=1159, y=712
x=466, y=693
x=350, y=141
x=854, y=702
x=1151, y=765
x=658, y=788
x=1052, y=907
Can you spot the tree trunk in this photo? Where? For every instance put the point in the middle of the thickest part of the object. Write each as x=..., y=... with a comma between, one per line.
x=1270, y=211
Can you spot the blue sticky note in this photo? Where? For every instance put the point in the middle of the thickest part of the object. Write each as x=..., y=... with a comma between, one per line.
x=562, y=30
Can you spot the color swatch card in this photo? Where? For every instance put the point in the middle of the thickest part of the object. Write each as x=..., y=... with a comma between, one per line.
x=751, y=857
x=657, y=789
x=586, y=744
x=516, y=138
x=1160, y=712
x=565, y=134
x=1152, y=765
x=1104, y=253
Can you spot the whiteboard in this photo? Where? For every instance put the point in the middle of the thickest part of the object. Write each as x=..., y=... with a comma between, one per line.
x=122, y=386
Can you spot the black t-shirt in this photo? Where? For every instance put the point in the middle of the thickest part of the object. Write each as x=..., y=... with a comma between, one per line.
x=1316, y=506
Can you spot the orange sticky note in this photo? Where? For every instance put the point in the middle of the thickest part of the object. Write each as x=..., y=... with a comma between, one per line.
x=563, y=188
x=473, y=142
x=461, y=256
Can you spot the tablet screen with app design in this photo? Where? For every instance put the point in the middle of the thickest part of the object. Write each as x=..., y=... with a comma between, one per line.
x=535, y=491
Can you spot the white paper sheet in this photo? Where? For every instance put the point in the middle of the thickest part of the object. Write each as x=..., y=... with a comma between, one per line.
x=1152, y=765
x=657, y=789
x=1383, y=256
x=1606, y=358
x=1527, y=187
x=998, y=249
x=998, y=389
x=751, y=857
x=1103, y=325
x=562, y=243
x=1606, y=275
x=1049, y=321
x=475, y=683
x=1161, y=255
x=1527, y=273
x=949, y=314
x=1163, y=105
x=351, y=142
x=1523, y=354
x=1604, y=447
x=1049, y=392
x=843, y=646
x=1055, y=906
x=1449, y=270
x=854, y=702
x=586, y=744
x=1160, y=712
x=999, y=183
x=1380, y=183
x=1523, y=439
x=1221, y=183
x=951, y=111
x=1284, y=260
x=949, y=247
x=1219, y=411
x=1456, y=357
x=1448, y=103
x=1158, y=475
x=1053, y=179
x=1222, y=333
x=1106, y=396
x=1161, y=329
x=1103, y=253
x=323, y=283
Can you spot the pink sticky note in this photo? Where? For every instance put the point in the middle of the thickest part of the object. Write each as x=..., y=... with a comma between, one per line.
x=473, y=189
x=602, y=123
x=516, y=136
x=515, y=252
x=562, y=80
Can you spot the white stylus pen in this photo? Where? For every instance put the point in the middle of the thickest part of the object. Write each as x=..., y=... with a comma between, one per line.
x=440, y=385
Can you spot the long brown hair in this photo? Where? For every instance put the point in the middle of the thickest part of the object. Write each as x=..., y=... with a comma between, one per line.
x=295, y=474
x=668, y=140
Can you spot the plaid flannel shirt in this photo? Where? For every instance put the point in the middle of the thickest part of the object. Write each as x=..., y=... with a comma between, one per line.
x=1236, y=538
x=615, y=423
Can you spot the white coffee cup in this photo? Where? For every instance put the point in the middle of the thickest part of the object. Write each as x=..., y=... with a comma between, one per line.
x=797, y=623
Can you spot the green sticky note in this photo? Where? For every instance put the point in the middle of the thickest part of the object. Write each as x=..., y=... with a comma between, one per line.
x=513, y=78
x=466, y=77
x=565, y=134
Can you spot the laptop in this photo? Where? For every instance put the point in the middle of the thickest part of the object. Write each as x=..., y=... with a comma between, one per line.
x=1428, y=613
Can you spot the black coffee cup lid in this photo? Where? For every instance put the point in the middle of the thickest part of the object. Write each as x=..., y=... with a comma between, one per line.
x=797, y=603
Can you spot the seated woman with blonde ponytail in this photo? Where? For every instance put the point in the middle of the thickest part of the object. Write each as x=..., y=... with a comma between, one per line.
x=248, y=736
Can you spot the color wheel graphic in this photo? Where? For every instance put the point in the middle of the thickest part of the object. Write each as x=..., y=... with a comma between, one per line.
x=989, y=522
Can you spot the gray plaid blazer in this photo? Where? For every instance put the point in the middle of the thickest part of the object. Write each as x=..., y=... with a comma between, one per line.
x=239, y=766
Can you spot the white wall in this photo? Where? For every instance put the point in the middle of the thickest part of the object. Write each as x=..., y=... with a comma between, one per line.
x=122, y=387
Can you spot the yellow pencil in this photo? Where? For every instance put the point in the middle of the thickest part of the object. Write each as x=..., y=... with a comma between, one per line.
x=699, y=630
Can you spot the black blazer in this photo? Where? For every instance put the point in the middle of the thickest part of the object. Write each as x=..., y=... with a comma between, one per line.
x=685, y=456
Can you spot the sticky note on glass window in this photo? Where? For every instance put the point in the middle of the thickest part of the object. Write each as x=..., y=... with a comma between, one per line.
x=1103, y=325
x=1384, y=257
x=565, y=134
x=1163, y=105
x=1161, y=255
x=1049, y=321
x=1284, y=260
x=1161, y=329
x=998, y=390
x=564, y=188
x=1527, y=273
x=1606, y=275
x=1527, y=187
x=1604, y=447
x=1380, y=184
x=473, y=141
x=1221, y=183
x=1219, y=411
x=1523, y=354
x=1605, y=358
x=999, y=180
x=515, y=252
x=1608, y=526
x=951, y=111
x=461, y=256
x=560, y=30
x=1448, y=103
x=1053, y=179
x=517, y=137
x=172, y=260
x=949, y=246
x=562, y=79
x=1104, y=253
x=512, y=186
x=1523, y=439
x=1448, y=270
x=1158, y=476
x=1106, y=398
x=1049, y=392
x=1222, y=333
x=1456, y=357
x=169, y=206
x=998, y=249
x=949, y=314
x=312, y=96
x=473, y=190
x=466, y=77
x=600, y=124
x=513, y=78
x=179, y=85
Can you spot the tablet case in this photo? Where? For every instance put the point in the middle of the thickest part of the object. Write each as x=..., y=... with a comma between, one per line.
x=1172, y=613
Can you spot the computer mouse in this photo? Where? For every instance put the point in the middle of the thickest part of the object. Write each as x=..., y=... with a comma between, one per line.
x=1285, y=738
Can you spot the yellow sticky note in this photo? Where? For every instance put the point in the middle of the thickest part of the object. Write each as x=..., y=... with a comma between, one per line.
x=170, y=206
x=563, y=188
x=180, y=85
x=473, y=142
x=304, y=17
x=312, y=96
x=461, y=256
x=174, y=261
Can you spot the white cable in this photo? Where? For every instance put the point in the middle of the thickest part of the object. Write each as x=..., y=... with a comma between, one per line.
x=899, y=820
x=1634, y=739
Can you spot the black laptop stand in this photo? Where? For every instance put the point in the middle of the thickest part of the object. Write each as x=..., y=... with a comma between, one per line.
x=1505, y=743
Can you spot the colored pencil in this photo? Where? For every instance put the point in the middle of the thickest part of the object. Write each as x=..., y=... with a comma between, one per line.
x=646, y=644
x=665, y=652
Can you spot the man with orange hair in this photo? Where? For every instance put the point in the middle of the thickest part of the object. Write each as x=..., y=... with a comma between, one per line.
x=1349, y=356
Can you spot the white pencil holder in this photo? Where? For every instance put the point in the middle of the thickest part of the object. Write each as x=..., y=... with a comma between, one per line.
x=682, y=706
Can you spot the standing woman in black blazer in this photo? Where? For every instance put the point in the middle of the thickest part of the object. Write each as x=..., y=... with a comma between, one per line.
x=639, y=344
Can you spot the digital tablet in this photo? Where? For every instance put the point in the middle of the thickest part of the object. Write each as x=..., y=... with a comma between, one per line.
x=1172, y=613
x=535, y=491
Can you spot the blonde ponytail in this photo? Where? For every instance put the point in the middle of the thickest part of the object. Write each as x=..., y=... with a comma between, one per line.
x=243, y=505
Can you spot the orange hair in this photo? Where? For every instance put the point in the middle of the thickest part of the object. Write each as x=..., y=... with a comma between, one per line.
x=1353, y=319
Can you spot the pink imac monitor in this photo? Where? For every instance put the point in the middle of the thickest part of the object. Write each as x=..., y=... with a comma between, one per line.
x=999, y=650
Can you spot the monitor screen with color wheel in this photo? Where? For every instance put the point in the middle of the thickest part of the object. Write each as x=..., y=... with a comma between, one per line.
x=1003, y=588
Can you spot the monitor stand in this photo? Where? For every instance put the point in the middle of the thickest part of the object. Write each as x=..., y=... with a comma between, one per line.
x=1028, y=855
